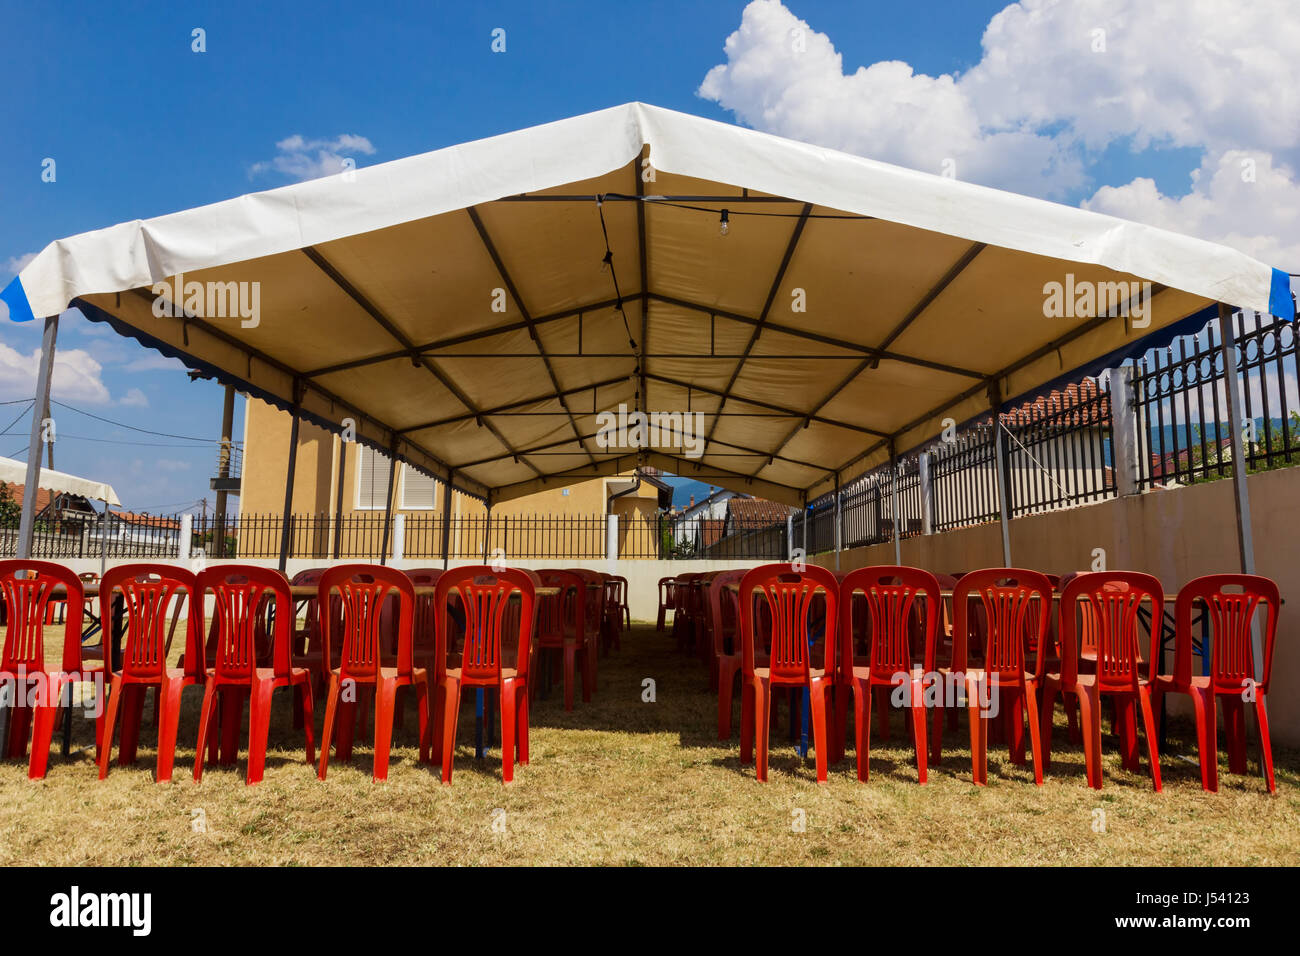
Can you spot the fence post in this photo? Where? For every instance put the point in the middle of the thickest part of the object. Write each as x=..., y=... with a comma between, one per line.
x=927, y=493
x=1124, y=429
x=186, y=539
x=611, y=537
x=399, y=536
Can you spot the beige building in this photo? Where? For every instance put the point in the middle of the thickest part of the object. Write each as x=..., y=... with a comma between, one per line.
x=336, y=477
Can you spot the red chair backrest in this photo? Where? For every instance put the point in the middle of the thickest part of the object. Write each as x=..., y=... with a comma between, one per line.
x=1229, y=613
x=240, y=596
x=1016, y=605
x=485, y=595
x=363, y=590
x=667, y=592
x=722, y=612
x=1113, y=599
x=425, y=629
x=568, y=612
x=789, y=595
x=891, y=598
x=27, y=605
x=148, y=591
x=595, y=607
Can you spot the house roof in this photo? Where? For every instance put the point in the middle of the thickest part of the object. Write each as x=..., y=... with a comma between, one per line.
x=373, y=300
x=1075, y=404
x=147, y=521
x=44, y=497
x=747, y=514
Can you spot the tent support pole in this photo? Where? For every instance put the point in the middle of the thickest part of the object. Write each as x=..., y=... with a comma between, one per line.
x=223, y=470
x=1240, y=463
x=286, y=526
x=839, y=539
x=898, y=517
x=1003, y=476
x=1241, y=494
x=388, y=503
x=44, y=375
x=338, y=498
x=446, y=522
x=487, y=532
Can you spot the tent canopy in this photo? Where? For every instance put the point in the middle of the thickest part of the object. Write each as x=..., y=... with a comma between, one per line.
x=15, y=473
x=473, y=309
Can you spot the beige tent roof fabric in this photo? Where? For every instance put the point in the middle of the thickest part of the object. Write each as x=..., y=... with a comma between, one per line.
x=468, y=322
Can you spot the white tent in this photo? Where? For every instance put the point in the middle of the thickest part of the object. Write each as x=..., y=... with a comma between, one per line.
x=15, y=472
x=473, y=309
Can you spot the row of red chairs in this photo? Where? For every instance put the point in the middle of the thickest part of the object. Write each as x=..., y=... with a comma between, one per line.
x=366, y=646
x=998, y=631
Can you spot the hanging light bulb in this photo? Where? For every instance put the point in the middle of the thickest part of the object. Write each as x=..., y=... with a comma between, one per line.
x=724, y=224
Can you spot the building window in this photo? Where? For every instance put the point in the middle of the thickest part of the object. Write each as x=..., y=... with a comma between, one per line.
x=372, y=478
x=419, y=490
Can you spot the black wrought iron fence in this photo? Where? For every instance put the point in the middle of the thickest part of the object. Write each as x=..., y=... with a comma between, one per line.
x=1182, y=409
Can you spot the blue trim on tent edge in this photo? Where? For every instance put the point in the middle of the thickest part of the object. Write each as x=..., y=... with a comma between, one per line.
x=15, y=297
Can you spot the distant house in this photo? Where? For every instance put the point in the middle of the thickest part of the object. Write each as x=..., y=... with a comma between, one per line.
x=140, y=531
x=753, y=514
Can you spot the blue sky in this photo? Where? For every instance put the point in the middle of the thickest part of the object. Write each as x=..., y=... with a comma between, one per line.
x=140, y=125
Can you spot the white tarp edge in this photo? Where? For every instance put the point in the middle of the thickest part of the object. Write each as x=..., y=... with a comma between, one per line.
x=139, y=253
x=15, y=472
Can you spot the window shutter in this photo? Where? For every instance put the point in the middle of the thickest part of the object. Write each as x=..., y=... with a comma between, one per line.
x=372, y=478
x=417, y=489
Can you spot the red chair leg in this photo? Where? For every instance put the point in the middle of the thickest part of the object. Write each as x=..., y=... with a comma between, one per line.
x=1149, y=728
x=259, y=728
x=451, y=711
x=570, y=659
x=45, y=717
x=206, y=710
x=747, y=721
x=1265, y=744
x=109, y=720
x=821, y=742
x=1035, y=735
x=916, y=706
x=169, y=718
x=1090, y=726
x=327, y=730
x=762, y=724
x=385, y=707
x=509, y=711
x=862, y=728
x=979, y=733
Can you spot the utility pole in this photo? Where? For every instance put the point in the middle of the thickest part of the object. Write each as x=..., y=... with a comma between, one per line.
x=223, y=470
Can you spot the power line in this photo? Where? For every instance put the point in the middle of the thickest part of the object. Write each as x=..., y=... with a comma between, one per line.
x=147, y=431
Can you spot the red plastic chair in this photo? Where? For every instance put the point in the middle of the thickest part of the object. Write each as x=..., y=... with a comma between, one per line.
x=624, y=608
x=615, y=605
x=1232, y=676
x=485, y=594
x=727, y=654
x=789, y=595
x=149, y=591
x=597, y=627
x=1114, y=598
x=891, y=593
x=683, y=610
x=1014, y=606
x=667, y=600
x=561, y=627
x=22, y=662
x=241, y=595
x=362, y=592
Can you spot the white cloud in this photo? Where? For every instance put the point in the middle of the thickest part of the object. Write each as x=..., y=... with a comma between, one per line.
x=77, y=376
x=14, y=265
x=134, y=398
x=783, y=77
x=301, y=159
x=1259, y=217
x=1057, y=82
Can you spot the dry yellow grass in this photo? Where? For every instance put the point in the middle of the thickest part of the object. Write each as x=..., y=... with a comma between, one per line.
x=620, y=781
